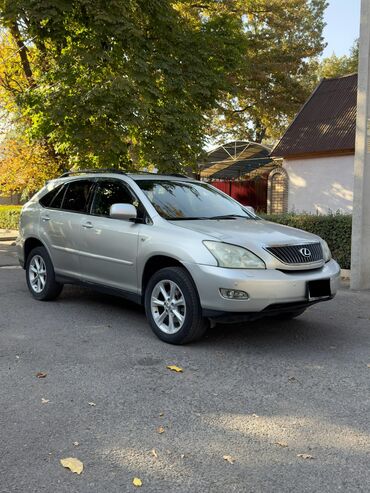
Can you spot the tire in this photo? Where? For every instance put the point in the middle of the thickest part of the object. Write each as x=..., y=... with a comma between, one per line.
x=179, y=287
x=290, y=315
x=42, y=287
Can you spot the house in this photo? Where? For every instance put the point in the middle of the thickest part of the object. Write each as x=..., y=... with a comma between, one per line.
x=318, y=150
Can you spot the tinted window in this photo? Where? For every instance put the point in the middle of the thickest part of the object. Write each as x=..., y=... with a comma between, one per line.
x=187, y=200
x=53, y=198
x=109, y=193
x=76, y=198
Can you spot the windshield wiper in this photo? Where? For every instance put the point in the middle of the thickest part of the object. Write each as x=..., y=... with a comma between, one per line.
x=210, y=218
x=186, y=218
x=229, y=216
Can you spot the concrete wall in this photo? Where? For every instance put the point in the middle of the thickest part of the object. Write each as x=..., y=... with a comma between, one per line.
x=320, y=184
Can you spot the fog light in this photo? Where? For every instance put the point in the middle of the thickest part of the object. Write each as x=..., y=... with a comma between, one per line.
x=233, y=294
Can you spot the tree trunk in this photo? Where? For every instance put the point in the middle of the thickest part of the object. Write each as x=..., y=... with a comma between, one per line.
x=23, y=52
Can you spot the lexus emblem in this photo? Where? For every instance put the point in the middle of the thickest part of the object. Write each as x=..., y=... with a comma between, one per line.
x=305, y=252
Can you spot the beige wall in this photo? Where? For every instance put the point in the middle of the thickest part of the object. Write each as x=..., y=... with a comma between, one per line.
x=320, y=184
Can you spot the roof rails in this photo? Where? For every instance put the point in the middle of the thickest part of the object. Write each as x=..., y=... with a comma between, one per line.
x=103, y=170
x=117, y=171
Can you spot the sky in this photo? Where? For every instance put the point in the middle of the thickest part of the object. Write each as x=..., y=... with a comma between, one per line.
x=343, y=26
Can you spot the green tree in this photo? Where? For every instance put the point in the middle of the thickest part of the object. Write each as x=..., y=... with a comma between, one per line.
x=337, y=66
x=134, y=82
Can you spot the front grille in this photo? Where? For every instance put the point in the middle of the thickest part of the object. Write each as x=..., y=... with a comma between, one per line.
x=292, y=254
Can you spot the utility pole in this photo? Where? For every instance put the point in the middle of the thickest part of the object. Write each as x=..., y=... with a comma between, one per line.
x=360, y=262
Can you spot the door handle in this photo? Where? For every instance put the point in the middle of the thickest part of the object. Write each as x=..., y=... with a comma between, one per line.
x=88, y=225
x=45, y=218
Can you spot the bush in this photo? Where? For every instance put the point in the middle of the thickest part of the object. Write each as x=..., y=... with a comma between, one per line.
x=336, y=229
x=9, y=216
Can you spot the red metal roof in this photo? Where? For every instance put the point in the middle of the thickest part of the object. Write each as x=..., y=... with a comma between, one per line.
x=327, y=121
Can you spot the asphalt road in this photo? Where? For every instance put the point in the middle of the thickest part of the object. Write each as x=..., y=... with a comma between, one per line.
x=262, y=393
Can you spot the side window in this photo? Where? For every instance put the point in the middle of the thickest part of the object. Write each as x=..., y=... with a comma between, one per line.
x=53, y=199
x=109, y=193
x=76, y=198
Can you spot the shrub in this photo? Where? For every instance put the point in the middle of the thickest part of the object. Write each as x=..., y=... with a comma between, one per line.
x=336, y=229
x=9, y=216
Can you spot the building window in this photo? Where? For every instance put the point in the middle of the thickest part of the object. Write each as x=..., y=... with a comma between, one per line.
x=277, y=191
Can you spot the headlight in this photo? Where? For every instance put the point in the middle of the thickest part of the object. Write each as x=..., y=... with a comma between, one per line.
x=326, y=251
x=234, y=257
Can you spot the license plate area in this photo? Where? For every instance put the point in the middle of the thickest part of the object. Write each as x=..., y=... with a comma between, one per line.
x=319, y=289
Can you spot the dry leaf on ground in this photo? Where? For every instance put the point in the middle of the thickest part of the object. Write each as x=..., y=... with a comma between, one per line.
x=41, y=374
x=160, y=429
x=44, y=401
x=154, y=453
x=92, y=404
x=73, y=464
x=305, y=456
x=281, y=444
x=174, y=368
x=137, y=482
x=228, y=458
x=368, y=365
x=76, y=444
x=161, y=415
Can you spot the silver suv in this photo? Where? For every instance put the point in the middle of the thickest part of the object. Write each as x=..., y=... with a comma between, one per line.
x=190, y=253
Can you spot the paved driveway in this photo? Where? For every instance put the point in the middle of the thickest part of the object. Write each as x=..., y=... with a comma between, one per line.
x=262, y=393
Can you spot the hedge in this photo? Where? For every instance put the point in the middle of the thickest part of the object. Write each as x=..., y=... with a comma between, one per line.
x=336, y=229
x=9, y=216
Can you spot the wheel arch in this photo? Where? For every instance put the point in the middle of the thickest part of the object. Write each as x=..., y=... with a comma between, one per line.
x=156, y=263
x=29, y=245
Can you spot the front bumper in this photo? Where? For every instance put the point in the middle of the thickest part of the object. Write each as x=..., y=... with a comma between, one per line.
x=265, y=287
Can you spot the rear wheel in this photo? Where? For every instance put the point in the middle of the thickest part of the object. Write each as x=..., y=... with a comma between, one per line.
x=172, y=306
x=40, y=275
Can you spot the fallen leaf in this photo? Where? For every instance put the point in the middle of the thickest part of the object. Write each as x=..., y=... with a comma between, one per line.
x=41, y=374
x=368, y=366
x=73, y=464
x=174, y=368
x=182, y=456
x=291, y=379
x=92, y=404
x=161, y=414
x=281, y=444
x=228, y=458
x=76, y=444
x=160, y=429
x=305, y=456
x=44, y=401
x=17, y=356
x=137, y=482
x=255, y=415
x=154, y=453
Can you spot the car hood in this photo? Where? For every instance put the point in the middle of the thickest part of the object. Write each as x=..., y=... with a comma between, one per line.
x=254, y=234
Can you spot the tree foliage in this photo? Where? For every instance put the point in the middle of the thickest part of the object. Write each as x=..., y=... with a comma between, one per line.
x=338, y=66
x=25, y=168
x=138, y=82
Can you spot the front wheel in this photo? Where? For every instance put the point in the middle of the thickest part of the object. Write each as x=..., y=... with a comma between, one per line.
x=40, y=275
x=172, y=306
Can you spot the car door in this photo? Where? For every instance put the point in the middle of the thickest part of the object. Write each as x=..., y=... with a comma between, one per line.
x=109, y=246
x=60, y=225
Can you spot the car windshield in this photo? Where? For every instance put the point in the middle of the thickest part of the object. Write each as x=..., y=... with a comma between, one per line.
x=180, y=200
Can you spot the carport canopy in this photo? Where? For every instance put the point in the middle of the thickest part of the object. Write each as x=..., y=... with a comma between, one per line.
x=234, y=160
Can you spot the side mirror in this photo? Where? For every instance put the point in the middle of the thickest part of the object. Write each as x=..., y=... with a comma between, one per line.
x=123, y=211
x=250, y=209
